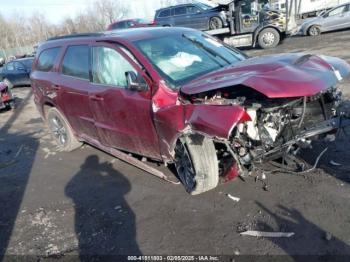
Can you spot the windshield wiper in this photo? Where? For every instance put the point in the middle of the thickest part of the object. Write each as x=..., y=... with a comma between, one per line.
x=208, y=49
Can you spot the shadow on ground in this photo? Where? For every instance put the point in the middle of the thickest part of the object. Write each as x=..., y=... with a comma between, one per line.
x=104, y=223
x=17, y=153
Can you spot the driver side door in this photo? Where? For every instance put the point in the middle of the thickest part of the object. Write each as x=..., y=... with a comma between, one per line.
x=123, y=117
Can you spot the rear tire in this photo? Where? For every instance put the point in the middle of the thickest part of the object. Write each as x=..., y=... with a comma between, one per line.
x=215, y=23
x=61, y=131
x=197, y=164
x=314, y=31
x=269, y=38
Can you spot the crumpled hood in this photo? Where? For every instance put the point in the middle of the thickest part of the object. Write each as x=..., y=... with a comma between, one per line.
x=276, y=76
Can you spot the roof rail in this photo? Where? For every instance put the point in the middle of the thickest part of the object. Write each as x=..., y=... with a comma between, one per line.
x=75, y=36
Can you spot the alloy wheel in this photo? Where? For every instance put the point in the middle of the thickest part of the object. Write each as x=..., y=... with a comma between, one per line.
x=58, y=130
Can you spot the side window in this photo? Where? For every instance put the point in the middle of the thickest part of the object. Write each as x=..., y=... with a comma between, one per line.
x=192, y=9
x=165, y=13
x=47, y=59
x=130, y=24
x=337, y=11
x=120, y=25
x=109, y=67
x=76, y=62
x=19, y=66
x=180, y=10
x=10, y=66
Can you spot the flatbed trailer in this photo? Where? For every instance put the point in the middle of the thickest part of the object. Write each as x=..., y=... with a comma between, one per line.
x=249, y=26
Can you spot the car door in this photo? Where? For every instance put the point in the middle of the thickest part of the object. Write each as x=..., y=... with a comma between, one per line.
x=335, y=19
x=123, y=117
x=181, y=18
x=20, y=73
x=9, y=72
x=196, y=18
x=73, y=85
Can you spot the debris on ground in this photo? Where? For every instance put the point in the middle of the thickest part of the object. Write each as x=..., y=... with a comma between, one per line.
x=328, y=236
x=266, y=234
x=333, y=163
x=233, y=198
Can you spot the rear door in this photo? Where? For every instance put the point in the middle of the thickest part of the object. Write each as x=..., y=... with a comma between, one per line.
x=73, y=85
x=9, y=72
x=123, y=117
x=21, y=74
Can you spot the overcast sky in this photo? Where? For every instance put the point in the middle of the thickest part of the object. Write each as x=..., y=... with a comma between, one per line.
x=56, y=10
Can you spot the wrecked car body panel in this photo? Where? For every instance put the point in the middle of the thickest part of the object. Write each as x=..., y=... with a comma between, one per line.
x=291, y=90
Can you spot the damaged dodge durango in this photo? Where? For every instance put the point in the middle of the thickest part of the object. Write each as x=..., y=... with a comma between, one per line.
x=179, y=96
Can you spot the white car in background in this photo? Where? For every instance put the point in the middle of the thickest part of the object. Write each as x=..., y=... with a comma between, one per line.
x=335, y=19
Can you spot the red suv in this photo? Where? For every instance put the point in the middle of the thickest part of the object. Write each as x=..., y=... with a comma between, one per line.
x=179, y=96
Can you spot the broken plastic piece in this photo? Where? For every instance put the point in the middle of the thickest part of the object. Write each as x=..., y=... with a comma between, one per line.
x=233, y=198
x=266, y=234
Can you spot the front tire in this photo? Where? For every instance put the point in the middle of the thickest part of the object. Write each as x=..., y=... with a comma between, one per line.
x=269, y=38
x=61, y=131
x=197, y=164
x=314, y=31
x=215, y=23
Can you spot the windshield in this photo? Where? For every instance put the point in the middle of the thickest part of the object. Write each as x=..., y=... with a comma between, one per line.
x=180, y=58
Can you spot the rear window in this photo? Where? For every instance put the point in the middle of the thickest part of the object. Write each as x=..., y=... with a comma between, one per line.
x=47, y=59
x=180, y=10
x=76, y=62
x=165, y=13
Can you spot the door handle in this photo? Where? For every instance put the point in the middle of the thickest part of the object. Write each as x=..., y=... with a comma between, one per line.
x=96, y=98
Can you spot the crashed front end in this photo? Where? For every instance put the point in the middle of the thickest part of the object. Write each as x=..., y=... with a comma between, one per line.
x=283, y=107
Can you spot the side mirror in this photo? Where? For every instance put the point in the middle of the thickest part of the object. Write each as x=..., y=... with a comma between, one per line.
x=198, y=12
x=134, y=82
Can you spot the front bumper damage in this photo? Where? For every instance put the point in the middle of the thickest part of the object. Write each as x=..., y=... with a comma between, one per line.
x=325, y=127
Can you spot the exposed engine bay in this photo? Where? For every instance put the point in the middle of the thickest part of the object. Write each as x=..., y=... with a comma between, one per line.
x=273, y=128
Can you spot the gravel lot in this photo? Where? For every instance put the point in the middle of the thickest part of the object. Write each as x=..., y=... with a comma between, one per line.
x=56, y=204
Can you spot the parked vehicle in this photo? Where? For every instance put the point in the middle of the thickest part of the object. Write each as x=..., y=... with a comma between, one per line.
x=180, y=96
x=196, y=15
x=16, y=72
x=6, y=97
x=335, y=19
x=130, y=23
x=248, y=24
